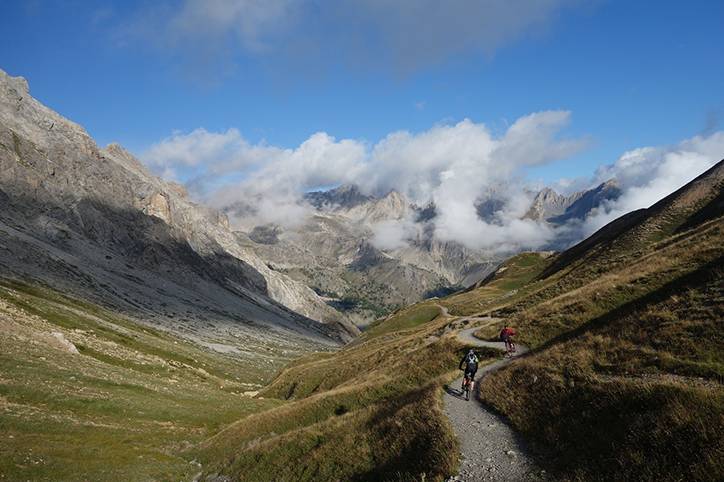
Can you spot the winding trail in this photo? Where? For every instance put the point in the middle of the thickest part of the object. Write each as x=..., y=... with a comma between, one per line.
x=490, y=449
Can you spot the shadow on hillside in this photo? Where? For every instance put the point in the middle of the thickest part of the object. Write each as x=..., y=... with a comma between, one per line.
x=408, y=425
x=130, y=262
x=708, y=272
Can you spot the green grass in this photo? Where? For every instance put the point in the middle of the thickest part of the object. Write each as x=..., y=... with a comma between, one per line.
x=141, y=404
x=126, y=408
x=510, y=282
x=403, y=320
x=399, y=438
x=624, y=382
x=627, y=342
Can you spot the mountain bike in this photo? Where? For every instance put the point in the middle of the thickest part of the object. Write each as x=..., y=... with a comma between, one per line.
x=511, y=347
x=468, y=383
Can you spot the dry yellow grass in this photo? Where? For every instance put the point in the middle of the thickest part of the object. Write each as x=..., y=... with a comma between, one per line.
x=369, y=412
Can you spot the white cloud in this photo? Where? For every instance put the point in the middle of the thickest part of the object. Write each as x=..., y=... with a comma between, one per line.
x=531, y=140
x=452, y=165
x=412, y=34
x=320, y=160
x=272, y=178
x=389, y=235
x=456, y=166
x=648, y=174
x=200, y=147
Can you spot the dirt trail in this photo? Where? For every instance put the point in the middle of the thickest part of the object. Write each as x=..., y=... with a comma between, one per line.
x=490, y=449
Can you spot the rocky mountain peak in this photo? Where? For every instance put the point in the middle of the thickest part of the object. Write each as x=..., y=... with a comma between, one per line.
x=99, y=218
x=346, y=196
x=18, y=84
x=546, y=203
x=610, y=184
x=29, y=118
x=395, y=201
x=586, y=201
x=547, y=195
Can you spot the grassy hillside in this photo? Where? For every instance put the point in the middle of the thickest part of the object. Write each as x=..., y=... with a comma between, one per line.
x=625, y=382
x=369, y=412
x=645, y=378
x=509, y=282
x=626, y=330
x=123, y=407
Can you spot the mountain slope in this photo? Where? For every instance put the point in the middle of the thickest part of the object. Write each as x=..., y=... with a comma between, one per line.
x=93, y=222
x=581, y=204
x=336, y=252
x=626, y=366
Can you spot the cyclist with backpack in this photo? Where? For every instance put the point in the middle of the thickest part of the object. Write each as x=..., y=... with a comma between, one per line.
x=470, y=364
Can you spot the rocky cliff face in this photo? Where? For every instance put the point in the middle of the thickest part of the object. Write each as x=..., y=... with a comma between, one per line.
x=343, y=197
x=95, y=223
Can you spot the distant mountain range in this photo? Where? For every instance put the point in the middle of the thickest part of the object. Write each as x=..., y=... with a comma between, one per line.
x=335, y=253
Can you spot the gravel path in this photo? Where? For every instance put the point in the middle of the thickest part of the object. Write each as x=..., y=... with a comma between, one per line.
x=490, y=449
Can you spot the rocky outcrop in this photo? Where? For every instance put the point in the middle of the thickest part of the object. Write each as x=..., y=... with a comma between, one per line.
x=61, y=342
x=342, y=197
x=157, y=205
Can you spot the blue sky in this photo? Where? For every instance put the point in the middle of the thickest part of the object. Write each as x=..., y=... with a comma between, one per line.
x=632, y=73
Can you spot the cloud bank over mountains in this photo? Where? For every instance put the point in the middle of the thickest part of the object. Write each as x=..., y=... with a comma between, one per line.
x=455, y=166
x=647, y=174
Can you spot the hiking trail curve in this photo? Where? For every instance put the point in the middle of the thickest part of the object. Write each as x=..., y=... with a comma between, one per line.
x=490, y=449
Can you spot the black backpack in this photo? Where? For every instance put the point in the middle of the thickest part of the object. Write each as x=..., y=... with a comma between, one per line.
x=470, y=360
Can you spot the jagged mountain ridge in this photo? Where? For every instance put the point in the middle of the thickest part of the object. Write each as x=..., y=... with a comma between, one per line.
x=555, y=208
x=96, y=224
x=346, y=196
x=335, y=251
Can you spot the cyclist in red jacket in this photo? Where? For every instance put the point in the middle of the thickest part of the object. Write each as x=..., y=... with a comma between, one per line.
x=506, y=336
